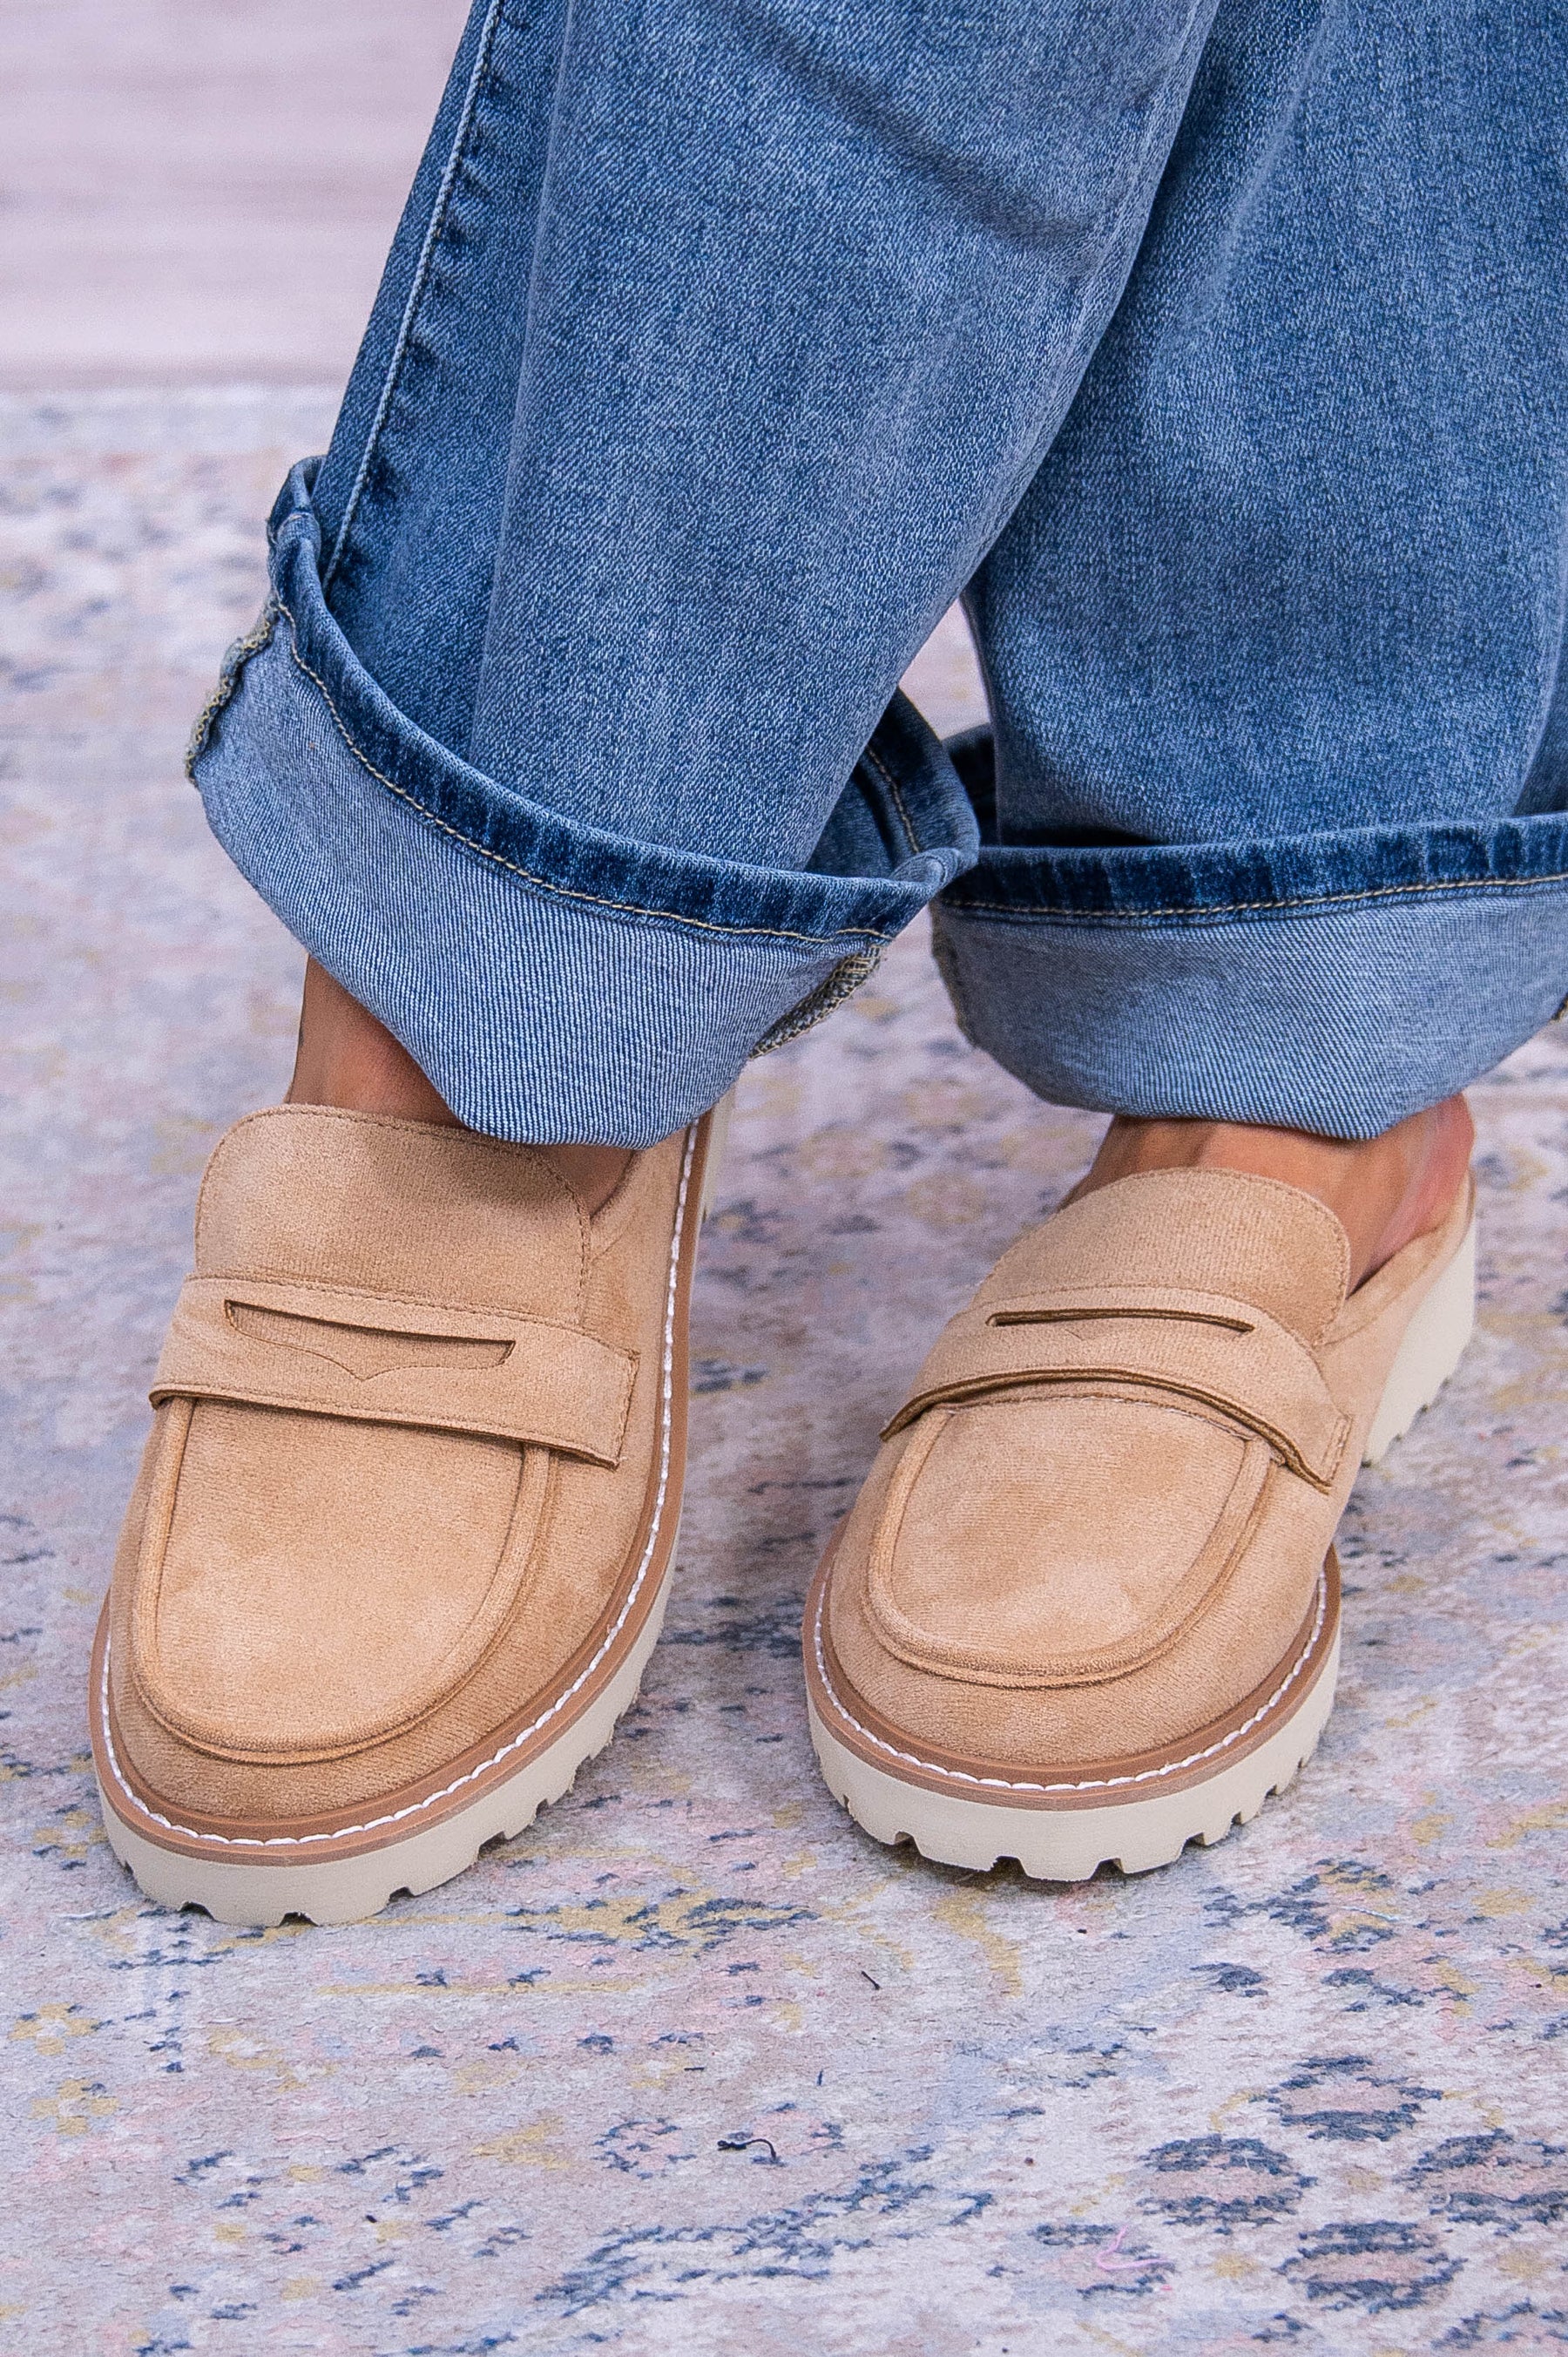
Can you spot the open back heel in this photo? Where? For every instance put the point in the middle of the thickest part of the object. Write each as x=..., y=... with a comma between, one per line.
x=1433, y=1347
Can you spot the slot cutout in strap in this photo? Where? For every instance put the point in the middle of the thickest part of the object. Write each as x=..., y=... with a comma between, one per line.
x=1221, y=1353
x=362, y=1352
x=322, y=1350
x=1082, y=1316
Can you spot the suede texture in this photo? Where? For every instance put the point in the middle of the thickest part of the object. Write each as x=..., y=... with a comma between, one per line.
x=296, y=1346
x=315, y=1606
x=1091, y=1534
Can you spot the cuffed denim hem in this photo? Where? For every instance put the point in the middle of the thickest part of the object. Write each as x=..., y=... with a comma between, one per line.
x=555, y=982
x=1333, y=983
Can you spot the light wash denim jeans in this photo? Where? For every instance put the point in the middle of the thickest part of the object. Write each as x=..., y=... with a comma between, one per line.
x=1217, y=355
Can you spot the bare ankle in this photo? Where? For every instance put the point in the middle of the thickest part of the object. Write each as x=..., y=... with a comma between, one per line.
x=593, y=1172
x=1385, y=1190
x=347, y=1057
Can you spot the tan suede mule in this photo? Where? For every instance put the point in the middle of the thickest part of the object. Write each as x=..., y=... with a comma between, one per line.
x=1087, y=1607
x=398, y=1550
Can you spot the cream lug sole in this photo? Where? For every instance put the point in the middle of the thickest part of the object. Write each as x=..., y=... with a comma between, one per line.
x=1067, y=1843
x=347, y=1889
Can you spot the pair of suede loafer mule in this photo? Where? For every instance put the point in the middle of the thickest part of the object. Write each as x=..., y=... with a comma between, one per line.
x=401, y=1541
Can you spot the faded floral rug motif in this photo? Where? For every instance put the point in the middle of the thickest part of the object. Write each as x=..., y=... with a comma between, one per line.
x=693, y=2066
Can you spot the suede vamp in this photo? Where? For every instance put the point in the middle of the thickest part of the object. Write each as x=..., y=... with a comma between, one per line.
x=1056, y=1570
x=312, y=1612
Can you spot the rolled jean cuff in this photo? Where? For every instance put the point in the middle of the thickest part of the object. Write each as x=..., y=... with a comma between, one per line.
x=1332, y=983
x=555, y=982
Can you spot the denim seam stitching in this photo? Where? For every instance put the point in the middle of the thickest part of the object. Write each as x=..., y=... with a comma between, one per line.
x=1251, y=908
x=891, y=782
x=840, y=983
x=543, y=883
x=435, y=231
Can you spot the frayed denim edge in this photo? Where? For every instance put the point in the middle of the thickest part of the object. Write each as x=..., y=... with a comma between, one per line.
x=237, y=656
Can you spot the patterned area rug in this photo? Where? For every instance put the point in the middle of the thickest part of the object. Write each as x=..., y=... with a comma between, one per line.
x=692, y=2065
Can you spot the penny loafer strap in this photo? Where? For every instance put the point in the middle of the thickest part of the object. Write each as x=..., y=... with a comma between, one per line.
x=325, y=1350
x=1224, y=1353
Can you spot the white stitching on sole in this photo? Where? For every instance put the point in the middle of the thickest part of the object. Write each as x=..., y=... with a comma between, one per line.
x=1086, y=1783
x=396, y=1816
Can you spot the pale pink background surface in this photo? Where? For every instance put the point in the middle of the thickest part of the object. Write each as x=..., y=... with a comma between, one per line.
x=204, y=190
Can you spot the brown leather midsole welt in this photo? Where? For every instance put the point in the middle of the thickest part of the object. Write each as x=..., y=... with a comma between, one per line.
x=1082, y=1783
